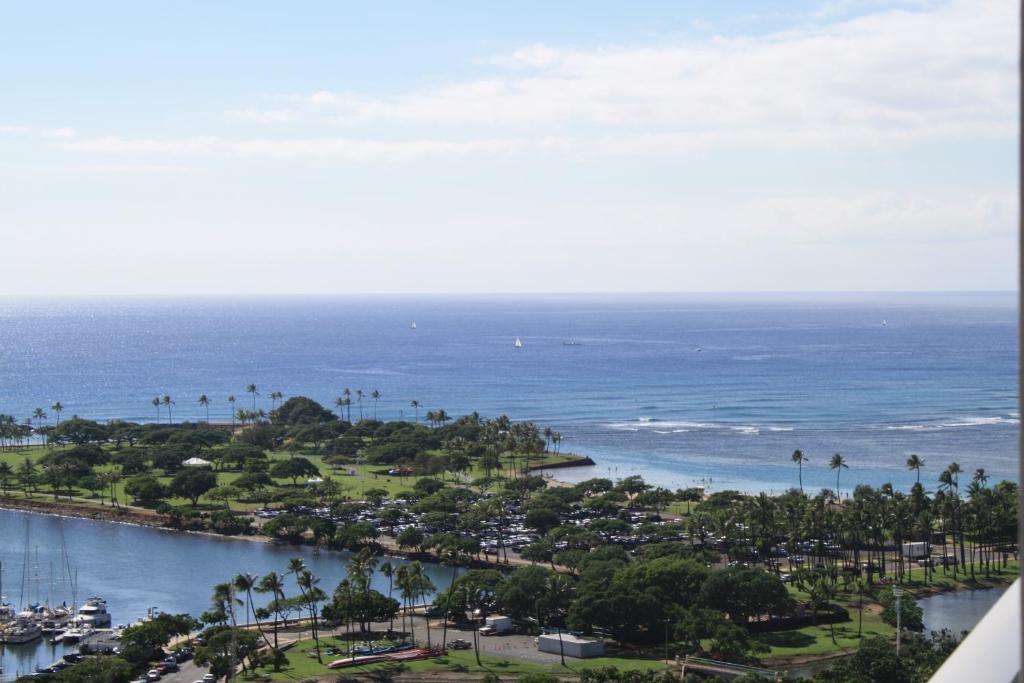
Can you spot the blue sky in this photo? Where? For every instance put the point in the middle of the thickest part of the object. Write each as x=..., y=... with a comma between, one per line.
x=331, y=147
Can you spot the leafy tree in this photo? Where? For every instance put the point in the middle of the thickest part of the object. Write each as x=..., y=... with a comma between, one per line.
x=143, y=642
x=145, y=489
x=743, y=593
x=192, y=483
x=356, y=535
x=522, y=593
x=911, y=614
x=79, y=431
x=293, y=468
x=410, y=537
x=299, y=410
x=99, y=669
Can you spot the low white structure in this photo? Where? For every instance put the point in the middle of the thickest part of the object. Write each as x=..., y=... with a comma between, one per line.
x=196, y=462
x=572, y=646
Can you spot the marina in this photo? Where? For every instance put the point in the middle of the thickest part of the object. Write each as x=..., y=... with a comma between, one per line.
x=140, y=571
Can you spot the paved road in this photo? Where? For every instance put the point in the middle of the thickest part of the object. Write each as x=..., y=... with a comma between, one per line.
x=189, y=672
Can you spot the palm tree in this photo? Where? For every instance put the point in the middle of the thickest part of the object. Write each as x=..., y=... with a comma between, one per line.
x=28, y=476
x=251, y=389
x=57, y=408
x=231, y=400
x=449, y=555
x=375, y=395
x=799, y=458
x=404, y=583
x=273, y=583
x=275, y=396
x=388, y=570
x=247, y=582
x=347, y=393
x=205, y=402
x=168, y=402
x=838, y=463
x=915, y=462
x=40, y=416
x=156, y=404
x=6, y=472
x=359, y=400
x=339, y=403
x=416, y=406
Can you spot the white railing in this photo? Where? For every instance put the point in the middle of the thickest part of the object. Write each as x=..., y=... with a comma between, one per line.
x=992, y=650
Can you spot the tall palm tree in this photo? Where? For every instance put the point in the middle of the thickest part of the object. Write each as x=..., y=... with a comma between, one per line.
x=156, y=404
x=275, y=396
x=980, y=477
x=251, y=389
x=359, y=400
x=205, y=403
x=450, y=555
x=40, y=415
x=415, y=405
x=168, y=402
x=6, y=473
x=915, y=463
x=57, y=408
x=247, y=582
x=388, y=570
x=404, y=583
x=375, y=395
x=273, y=583
x=347, y=393
x=339, y=403
x=231, y=400
x=799, y=458
x=838, y=463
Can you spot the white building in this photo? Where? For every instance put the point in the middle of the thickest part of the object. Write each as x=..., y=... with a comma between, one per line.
x=572, y=646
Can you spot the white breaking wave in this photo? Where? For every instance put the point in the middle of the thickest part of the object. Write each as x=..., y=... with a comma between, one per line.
x=967, y=421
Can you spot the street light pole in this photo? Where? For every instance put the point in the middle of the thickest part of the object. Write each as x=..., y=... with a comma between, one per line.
x=666, y=640
x=898, y=594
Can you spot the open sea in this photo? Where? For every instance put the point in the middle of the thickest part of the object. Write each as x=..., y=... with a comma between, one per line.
x=712, y=390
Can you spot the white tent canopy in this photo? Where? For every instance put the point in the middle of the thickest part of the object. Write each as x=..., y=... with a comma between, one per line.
x=196, y=462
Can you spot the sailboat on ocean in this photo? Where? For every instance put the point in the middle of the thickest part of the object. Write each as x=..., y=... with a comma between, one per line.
x=519, y=343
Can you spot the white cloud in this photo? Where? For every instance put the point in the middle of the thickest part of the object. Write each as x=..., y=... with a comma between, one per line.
x=340, y=149
x=261, y=115
x=36, y=132
x=895, y=74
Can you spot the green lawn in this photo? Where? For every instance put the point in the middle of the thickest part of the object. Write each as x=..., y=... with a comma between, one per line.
x=354, y=486
x=301, y=665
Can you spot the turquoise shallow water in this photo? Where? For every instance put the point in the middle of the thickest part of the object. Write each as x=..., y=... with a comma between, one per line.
x=683, y=389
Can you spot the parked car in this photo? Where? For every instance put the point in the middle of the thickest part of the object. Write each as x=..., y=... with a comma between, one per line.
x=488, y=631
x=153, y=675
x=459, y=644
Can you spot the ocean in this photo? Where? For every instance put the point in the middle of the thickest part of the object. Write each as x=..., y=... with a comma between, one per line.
x=686, y=390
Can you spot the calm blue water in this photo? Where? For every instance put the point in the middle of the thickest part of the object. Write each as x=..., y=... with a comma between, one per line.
x=135, y=568
x=682, y=389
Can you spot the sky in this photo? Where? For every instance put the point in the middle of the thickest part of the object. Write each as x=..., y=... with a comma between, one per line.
x=464, y=147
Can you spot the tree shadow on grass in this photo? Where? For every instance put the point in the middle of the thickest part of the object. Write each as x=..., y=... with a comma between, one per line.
x=787, y=639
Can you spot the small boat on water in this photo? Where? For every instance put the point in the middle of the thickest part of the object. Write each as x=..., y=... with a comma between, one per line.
x=413, y=326
x=570, y=342
x=519, y=343
x=93, y=614
x=74, y=635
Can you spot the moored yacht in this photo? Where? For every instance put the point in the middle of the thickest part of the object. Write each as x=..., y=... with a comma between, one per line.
x=24, y=629
x=94, y=614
